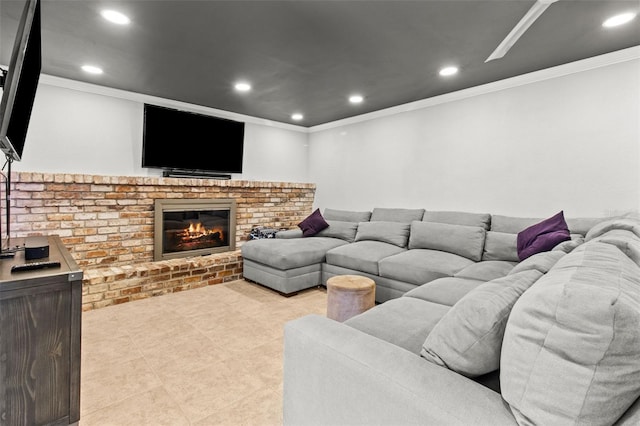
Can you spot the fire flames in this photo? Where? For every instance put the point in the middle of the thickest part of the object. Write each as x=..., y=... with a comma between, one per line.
x=198, y=230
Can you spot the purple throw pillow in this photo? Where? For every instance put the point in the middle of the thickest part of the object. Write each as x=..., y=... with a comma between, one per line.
x=542, y=236
x=313, y=224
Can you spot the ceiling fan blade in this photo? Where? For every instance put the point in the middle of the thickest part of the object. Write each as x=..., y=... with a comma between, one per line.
x=529, y=18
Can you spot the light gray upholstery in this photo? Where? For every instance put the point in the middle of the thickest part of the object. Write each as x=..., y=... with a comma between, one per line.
x=500, y=246
x=362, y=255
x=346, y=215
x=284, y=281
x=445, y=291
x=396, y=215
x=419, y=266
x=482, y=220
x=289, y=253
x=395, y=233
x=289, y=233
x=405, y=322
x=337, y=375
x=340, y=229
x=463, y=240
x=487, y=270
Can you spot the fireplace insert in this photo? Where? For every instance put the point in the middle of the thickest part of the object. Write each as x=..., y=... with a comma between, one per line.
x=186, y=228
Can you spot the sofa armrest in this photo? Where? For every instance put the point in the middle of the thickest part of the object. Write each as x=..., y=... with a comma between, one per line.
x=335, y=374
x=289, y=233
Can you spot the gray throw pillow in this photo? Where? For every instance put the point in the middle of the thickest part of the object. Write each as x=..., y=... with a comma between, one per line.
x=346, y=215
x=501, y=246
x=395, y=233
x=468, y=338
x=339, y=229
x=466, y=241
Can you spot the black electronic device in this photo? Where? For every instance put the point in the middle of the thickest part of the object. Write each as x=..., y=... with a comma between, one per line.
x=21, y=82
x=184, y=141
x=36, y=248
x=34, y=266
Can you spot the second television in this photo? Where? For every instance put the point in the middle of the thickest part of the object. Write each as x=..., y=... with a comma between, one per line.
x=184, y=141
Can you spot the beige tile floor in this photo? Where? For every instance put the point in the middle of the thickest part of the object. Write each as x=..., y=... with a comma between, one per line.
x=209, y=356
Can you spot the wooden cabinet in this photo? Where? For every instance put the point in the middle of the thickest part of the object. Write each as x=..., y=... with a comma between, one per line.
x=40, y=325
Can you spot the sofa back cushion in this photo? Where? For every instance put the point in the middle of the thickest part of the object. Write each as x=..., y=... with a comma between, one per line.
x=570, y=353
x=466, y=241
x=346, y=215
x=501, y=246
x=513, y=225
x=339, y=229
x=396, y=215
x=395, y=233
x=483, y=220
x=468, y=338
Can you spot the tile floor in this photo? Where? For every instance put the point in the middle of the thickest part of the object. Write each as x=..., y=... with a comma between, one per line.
x=209, y=356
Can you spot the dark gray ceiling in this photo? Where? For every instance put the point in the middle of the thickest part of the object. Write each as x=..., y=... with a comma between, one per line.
x=308, y=56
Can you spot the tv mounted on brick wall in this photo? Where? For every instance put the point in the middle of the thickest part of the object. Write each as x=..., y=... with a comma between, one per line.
x=186, y=143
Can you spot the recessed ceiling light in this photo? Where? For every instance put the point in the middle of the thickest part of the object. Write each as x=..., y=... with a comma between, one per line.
x=115, y=17
x=356, y=99
x=92, y=69
x=621, y=19
x=447, y=71
x=242, y=87
x=297, y=116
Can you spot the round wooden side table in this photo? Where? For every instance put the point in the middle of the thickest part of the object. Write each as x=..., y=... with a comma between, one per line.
x=349, y=295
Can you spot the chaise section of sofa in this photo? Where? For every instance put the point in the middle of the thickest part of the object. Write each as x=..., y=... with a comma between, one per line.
x=290, y=263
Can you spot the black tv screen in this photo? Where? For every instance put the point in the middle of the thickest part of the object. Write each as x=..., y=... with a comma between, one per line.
x=180, y=140
x=21, y=82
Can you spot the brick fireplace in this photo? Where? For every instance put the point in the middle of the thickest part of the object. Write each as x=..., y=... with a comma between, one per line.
x=107, y=223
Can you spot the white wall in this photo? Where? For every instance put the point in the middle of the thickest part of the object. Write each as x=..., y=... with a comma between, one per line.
x=73, y=131
x=569, y=143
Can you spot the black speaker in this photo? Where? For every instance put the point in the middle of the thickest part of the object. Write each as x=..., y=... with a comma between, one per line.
x=36, y=248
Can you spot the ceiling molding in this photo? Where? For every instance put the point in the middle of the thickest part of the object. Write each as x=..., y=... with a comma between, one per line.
x=623, y=55
x=139, y=97
x=607, y=59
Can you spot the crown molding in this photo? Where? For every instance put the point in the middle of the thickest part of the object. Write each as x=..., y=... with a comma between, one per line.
x=607, y=59
x=624, y=55
x=155, y=100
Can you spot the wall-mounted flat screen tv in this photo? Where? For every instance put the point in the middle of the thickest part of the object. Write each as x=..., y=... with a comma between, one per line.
x=180, y=140
x=21, y=82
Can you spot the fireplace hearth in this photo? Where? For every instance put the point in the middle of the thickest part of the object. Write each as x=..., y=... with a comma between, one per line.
x=186, y=228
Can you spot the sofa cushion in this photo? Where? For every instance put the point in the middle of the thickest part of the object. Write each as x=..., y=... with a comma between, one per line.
x=396, y=215
x=468, y=338
x=511, y=224
x=542, y=236
x=418, y=266
x=445, y=291
x=339, y=229
x=362, y=255
x=289, y=253
x=486, y=270
x=568, y=246
x=404, y=321
x=395, y=233
x=500, y=246
x=346, y=215
x=570, y=353
x=313, y=224
x=540, y=262
x=466, y=241
x=483, y=220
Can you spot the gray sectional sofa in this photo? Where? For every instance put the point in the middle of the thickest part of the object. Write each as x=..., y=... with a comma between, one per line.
x=486, y=340
x=400, y=249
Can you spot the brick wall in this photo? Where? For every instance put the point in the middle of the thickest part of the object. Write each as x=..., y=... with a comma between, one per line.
x=106, y=222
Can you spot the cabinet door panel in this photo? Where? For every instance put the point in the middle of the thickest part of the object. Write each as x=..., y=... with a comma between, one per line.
x=35, y=358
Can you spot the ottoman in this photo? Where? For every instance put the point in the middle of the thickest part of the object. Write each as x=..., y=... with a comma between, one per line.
x=349, y=295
